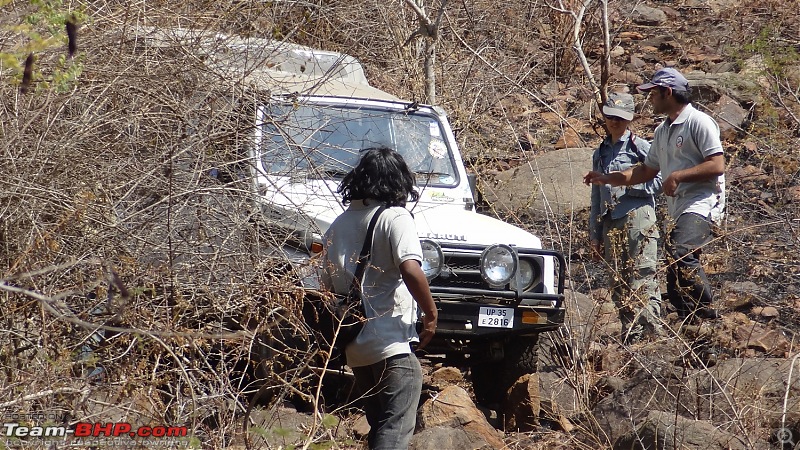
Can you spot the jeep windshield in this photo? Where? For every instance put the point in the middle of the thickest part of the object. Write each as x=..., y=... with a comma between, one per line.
x=326, y=141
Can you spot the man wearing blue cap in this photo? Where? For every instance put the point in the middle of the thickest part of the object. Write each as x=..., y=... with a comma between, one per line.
x=686, y=149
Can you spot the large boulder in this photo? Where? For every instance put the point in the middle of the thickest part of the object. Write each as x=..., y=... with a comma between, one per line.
x=666, y=431
x=451, y=420
x=551, y=182
x=754, y=393
x=708, y=88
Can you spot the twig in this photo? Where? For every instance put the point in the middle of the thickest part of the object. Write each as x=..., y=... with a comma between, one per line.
x=782, y=103
x=61, y=390
x=513, y=82
x=46, y=302
x=788, y=388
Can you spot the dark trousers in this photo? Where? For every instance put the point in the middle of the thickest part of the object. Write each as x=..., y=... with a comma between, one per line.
x=687, y=284
x=391, y=390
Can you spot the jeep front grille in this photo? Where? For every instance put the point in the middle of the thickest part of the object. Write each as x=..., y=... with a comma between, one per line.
x=460, y=270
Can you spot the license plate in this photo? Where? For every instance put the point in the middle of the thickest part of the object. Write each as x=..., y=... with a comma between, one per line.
x=496, y=317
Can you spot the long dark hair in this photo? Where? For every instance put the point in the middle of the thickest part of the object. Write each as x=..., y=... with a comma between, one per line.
x=381, y=174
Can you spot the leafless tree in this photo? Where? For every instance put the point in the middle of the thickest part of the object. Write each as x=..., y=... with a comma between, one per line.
x=429, y=31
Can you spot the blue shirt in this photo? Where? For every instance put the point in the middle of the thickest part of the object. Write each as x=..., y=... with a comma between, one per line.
x=619, y=201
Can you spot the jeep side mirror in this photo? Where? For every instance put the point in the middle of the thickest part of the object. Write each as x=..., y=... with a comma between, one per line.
x=472, y=180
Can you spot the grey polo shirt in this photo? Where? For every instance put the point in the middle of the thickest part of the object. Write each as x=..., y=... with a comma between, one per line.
x=684, y=143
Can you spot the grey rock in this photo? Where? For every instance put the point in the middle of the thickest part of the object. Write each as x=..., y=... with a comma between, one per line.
x=646, y=15
x=637, y=62
x=753, y=390
x=665, y=431
x=730, y=117
x=552, y=182
x=709, y=88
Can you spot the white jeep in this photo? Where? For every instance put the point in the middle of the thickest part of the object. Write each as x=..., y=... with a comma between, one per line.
x=311, y=113
x=494, y=285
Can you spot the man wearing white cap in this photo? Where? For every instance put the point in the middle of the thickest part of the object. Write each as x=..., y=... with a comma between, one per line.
x=686, y=149
x=622, y=224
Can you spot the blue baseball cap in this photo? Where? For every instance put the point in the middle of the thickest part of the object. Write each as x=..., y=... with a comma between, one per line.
x=666, y=77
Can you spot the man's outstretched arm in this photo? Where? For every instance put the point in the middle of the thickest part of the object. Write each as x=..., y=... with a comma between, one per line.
x=640, y=173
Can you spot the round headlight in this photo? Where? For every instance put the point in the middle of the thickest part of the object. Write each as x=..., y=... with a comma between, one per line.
x=498, y=264
x=432, y=259
x=526, y=276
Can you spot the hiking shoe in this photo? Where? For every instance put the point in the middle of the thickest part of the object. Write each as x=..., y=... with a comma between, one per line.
x=707, y=312
x=709, y=357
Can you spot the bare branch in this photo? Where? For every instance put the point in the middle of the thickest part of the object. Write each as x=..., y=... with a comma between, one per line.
x=430, y=31
x=47, y=393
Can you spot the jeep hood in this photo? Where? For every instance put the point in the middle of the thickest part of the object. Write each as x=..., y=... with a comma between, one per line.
x=444, y=223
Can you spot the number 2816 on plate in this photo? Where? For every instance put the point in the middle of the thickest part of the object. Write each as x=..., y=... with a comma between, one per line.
x=496, y=317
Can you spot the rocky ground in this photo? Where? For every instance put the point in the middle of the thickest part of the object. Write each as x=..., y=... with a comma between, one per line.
x=95, y=164
x=663, y=393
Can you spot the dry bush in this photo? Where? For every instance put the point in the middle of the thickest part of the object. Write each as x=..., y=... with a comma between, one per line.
x=119, y=248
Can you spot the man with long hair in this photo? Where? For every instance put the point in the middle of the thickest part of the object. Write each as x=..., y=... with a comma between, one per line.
x=388, y=375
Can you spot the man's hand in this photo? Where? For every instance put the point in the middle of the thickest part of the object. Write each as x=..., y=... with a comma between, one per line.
x=428, y=330
x=637, y=174
x=417, y=285
x=670, y=185
x=595, y=178
x=712, y=167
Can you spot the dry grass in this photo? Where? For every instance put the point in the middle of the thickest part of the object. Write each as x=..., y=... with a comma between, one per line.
x=114, y=237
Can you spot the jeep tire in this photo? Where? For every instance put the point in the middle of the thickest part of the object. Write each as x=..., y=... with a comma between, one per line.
x=491, y=381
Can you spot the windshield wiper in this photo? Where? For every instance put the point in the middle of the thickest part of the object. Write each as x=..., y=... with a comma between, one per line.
x=328, y=172
x=432, y=174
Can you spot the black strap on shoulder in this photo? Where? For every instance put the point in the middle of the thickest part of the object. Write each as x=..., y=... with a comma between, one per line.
x=632, y=140
x=363, y=258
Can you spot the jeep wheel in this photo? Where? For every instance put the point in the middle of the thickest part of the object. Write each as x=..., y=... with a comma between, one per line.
x=279, y=355
x=491, y=381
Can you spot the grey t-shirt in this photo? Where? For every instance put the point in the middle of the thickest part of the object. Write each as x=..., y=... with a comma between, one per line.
x=390, y=308
x=684, y=143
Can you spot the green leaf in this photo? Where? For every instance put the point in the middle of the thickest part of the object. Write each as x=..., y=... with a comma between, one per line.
x=11, y=61
x=282, y=432
x=330, y=421
x=321, y=445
